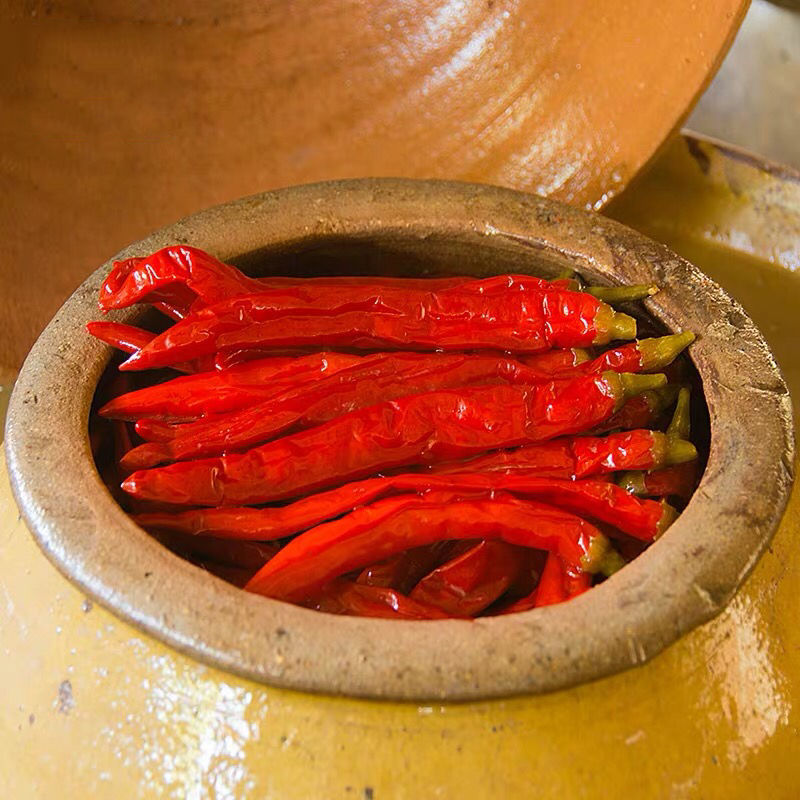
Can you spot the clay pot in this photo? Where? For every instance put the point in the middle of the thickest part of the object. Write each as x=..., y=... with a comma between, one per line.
x=411, y=226
x=123, y=115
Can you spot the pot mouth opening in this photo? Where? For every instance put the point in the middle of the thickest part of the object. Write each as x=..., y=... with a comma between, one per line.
x=367, y=255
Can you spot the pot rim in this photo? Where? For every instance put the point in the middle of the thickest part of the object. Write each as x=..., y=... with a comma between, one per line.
x=681, y=581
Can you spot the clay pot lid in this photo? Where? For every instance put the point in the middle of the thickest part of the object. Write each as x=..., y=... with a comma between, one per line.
x=682, y=580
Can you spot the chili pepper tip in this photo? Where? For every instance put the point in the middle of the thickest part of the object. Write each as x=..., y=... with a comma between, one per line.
x=622, y=294
x=657, y=353
x=679, y=451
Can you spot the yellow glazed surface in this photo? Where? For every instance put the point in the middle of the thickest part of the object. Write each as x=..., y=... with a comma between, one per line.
x=93, y=708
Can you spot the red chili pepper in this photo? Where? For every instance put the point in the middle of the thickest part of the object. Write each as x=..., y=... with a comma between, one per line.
x=600, y=500
x=676, y=481
x=581, y=456
x=375, y=379
x=215, y=392
x=404, y=570
x=412, y=430
x=472, y=581
x=554, y=362
x=499, y=318
x=389, y=526
x=641, y=411
x=555, y=586
x=187, y=275
x=645, y=355
x=128, y=338
x=346, y=597
x=124, y=337
x=134, y=280
x=679, y=480
x=227, y=552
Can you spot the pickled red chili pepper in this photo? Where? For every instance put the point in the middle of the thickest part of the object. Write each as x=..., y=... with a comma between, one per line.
x=679, y=480
x=582, y=456
x=404, y=570
x=554, y=362
x=127, y=338
x=552, y=587
x=645, y=355
x=555, y=586
x=499, y=318
x=412, y=430
x=378, y=378
x=601, y=500
x=228, y=390
x=134, y=280
x=374, y=379
x=389, y=526
x=190, y=276
x=640, y=411
x=346, y=597
x=472, y=581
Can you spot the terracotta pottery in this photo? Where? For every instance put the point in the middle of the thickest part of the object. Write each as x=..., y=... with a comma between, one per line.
x=122, y=116
x=409, y=227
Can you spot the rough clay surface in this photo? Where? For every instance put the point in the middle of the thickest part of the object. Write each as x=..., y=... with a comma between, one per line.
x=681, y=581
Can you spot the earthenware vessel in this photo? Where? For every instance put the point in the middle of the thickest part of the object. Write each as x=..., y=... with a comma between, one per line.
x=412, y=227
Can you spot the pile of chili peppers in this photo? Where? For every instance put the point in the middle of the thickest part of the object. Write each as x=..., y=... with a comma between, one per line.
x=395, y=447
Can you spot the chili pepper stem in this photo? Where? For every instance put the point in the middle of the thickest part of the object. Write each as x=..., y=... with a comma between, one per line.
x=632, y=482
x=611, y=562
x=680, y=427
x=679, y=451
x=594, y=559
x=668, y=516
x=622, y=294
x=612, y=325
x=633, y=384
x=657, y=353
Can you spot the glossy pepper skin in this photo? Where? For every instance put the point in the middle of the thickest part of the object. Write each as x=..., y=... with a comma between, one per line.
x=404, y=570
x=641, y=411
x=417, y=429
x=207, y=279
x=127, y=338
x=553, y=587
x=217, y=392
x=390, y=526
x=601, y=500
x=578, y=456
x=492, y=314
x=189, y=277
x=346, y=597
x=679, y=480
x=676, y=481
x=374, y=380
x=473, y=580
